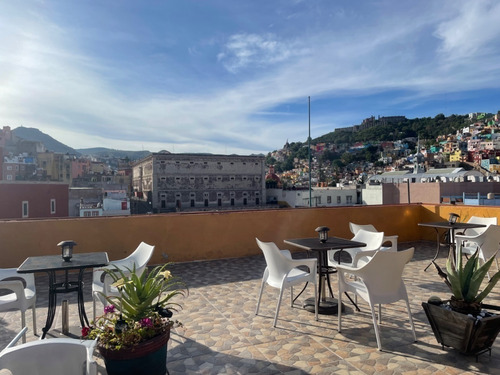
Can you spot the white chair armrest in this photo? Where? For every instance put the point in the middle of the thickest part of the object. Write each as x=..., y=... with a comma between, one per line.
x=308, y=262
x=362, y=254
x=287, y=253
x=464, y=237
x=342, y=268
x=352, y=252
x=15, y=285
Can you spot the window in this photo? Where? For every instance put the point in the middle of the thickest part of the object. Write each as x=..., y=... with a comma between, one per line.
x=95, y=213
x=86, y=214
x=219, y=202
x=348, y=199
x=338, y=200
x=25, y=209
x=206, y=202
x=192, y=202
x=9, y=177
x=319, y=200
x=52, y=206
x=232, y=201
x=245, y=201
x=328, y=199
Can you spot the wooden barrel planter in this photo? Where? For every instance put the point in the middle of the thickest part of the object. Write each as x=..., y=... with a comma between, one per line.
x=149, y=357
x=461, y=331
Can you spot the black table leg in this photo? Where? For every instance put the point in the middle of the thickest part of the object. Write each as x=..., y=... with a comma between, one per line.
x=437, y=250
x=81, y=303
x=52, y=303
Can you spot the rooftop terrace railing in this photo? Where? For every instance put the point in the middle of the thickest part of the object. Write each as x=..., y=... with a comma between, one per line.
x=181, y=237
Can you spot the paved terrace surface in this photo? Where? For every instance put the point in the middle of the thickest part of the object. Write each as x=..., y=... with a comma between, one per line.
x=222, y=335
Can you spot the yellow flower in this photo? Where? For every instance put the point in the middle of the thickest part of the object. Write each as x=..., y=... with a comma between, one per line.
x=119, y=283
x=166, y=275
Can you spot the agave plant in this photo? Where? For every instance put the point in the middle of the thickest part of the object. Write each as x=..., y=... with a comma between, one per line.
x=142, y=310
x=464, y=280
x=142, y=295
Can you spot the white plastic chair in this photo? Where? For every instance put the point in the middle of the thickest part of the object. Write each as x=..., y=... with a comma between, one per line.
x=282, y=272
x=488, y=243
x=378, y=281
x=373, y=241
x=23, y=294
x=102, y=283
x=393, y=240
x=61, y=356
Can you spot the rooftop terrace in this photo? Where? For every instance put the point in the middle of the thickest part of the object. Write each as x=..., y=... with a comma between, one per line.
x=222, y=335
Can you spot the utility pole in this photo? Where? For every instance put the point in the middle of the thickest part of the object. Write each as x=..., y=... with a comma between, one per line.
x=309, y=148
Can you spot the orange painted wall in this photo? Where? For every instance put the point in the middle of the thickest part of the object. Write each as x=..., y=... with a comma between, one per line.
x=213, y=235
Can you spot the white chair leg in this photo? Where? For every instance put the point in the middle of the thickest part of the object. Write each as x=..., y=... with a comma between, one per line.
x=260, y=296
x=411, y=319
x=278, y=308
x=375, y=326
x=33, y=309
x=23, y=324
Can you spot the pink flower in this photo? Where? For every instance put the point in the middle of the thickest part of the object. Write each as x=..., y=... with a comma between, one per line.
x=109, y=309
x=146, y=322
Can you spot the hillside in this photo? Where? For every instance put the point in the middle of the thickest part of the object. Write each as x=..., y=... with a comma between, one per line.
x=33, y=134
x=425, y=128
x=51, y=144
x=102, y=152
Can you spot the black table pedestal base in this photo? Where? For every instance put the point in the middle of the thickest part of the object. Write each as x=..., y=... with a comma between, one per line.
x=328, y=306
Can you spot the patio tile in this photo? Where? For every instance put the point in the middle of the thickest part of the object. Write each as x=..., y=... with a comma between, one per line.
x=222, y=334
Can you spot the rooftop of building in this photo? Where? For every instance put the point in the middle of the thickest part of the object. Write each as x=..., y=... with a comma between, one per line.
x=222, y=334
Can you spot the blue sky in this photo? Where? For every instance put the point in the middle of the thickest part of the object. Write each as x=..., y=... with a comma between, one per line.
x=233, y=76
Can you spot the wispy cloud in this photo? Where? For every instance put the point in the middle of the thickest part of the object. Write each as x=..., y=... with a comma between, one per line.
x=232, y=94
x=245, y=50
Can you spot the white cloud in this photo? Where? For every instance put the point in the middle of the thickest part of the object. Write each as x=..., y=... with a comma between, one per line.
x=471, y=32
x=244, y=50
x=47, y=81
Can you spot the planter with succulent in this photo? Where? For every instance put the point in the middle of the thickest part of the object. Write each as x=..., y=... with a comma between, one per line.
x=134, y=330
x=464, y=322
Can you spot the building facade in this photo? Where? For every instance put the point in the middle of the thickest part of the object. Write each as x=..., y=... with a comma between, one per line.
x=195, y=182
x=28, y=200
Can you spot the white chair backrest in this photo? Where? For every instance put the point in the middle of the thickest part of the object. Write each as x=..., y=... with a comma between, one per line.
x=277, y=264
x=480, y=220
x=356, y=227
x=382, y=274
x=483, y=220
x=373, y=240
x=141, y=256
x=489, y=241
x=46, y=357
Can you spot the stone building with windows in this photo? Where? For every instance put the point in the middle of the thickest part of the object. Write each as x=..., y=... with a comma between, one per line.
x=166, y=182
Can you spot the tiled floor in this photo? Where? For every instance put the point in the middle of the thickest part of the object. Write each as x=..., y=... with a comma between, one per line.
x=222, y=334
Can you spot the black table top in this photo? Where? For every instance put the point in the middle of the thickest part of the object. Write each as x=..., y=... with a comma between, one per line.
x=447, y=225
x=333, y=243
x=56, y=262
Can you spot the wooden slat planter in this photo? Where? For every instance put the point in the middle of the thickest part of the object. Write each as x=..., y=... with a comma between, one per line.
x=461, y=331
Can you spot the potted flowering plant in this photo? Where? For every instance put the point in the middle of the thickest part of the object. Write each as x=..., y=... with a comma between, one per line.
x=464, y=322
x=134, y=330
